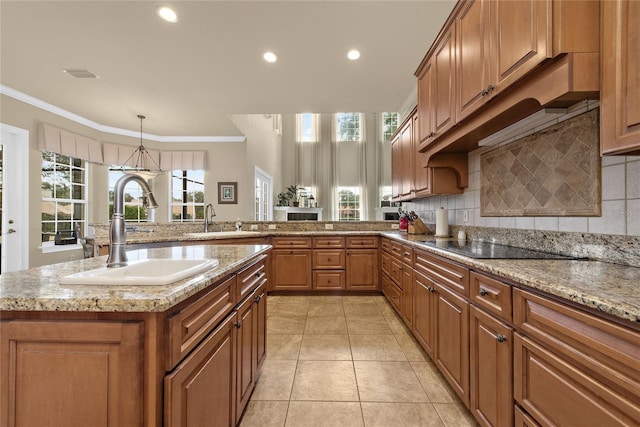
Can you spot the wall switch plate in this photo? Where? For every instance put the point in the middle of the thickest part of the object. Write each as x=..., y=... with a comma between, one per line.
x=272, y=226
x=254, y=226
x=328, y=226
x=465, y=216
x=395, y=226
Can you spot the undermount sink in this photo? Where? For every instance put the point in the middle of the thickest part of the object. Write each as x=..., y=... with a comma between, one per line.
x=216, y=234
x=147, y=272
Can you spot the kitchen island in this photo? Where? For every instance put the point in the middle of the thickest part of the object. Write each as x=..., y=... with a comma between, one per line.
x=169, y=355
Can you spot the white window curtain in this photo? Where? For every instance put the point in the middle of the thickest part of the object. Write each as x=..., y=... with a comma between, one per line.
x=60, y=141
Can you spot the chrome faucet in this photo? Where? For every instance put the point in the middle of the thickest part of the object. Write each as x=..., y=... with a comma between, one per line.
x=209, y=213
x=117, y=232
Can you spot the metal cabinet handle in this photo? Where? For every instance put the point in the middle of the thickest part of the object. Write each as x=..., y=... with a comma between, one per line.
x=484, y=292
x=257, y=299
x=431, y=135
x=501, y=338
x=431, y=288
x=257, y=274
x=237, y=324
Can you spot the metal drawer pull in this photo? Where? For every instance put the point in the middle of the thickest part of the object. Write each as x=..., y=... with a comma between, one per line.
x=237, y=324
x=501, y=338
x=431, y=289
x=484, y=292
x=257, y=299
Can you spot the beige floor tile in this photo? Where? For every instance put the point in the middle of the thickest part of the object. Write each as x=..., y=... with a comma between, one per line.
x=325, y=309
x=325, y=380
x=434, y=383
x=326, y=299
x=400, y=414
x=283, y=346
x=368, y=326
x=324, y=414
x=362, y=310
x=388, y=382
x=294, y=299
x=285, y=325
x=275, y=380
x=265, y=413
x=455, y=415
x=376, y=347
x=326, y=325
x=290, y=309
x=411, y=348
x=355, y=299
x=386, y=309
x=325, y=347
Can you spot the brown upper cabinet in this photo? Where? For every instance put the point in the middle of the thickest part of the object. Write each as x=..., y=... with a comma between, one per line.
x=545, y=52
x=620, y=86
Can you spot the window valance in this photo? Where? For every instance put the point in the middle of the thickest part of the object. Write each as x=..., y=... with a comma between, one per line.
x=60, y=141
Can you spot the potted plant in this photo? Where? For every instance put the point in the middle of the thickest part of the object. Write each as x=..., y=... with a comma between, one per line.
x=283, y=199
x=292, y=191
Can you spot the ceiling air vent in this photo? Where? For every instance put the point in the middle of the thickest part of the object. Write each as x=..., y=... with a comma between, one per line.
x=80, y=73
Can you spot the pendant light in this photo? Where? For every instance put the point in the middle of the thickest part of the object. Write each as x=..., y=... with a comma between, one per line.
x=145, y=165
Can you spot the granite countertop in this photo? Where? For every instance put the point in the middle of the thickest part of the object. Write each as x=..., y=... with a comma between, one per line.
x=610, y=288
x=39, y=289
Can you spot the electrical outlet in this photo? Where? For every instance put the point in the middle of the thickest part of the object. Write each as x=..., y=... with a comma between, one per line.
x=328, y=226
x=465, y=216
x=272, y=226
x=395, y=226
x=254, y=226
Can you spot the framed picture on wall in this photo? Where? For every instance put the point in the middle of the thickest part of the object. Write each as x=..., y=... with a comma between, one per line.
x=228, y=193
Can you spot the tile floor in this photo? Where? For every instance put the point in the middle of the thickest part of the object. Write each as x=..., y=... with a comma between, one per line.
x=345, y=362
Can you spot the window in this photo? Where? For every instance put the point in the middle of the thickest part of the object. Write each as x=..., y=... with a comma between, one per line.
x=307, y=127
x=389, y=125
x=348, y=127
x=187, y=195
x=348, y=204
x=133, y=210
x=63, y=194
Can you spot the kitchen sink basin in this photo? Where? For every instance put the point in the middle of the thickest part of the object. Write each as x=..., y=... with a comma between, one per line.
x=147, y=272
x=220, y=234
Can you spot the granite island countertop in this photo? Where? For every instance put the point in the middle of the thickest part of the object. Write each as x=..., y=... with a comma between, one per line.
x=609, y=288
x=39, y=288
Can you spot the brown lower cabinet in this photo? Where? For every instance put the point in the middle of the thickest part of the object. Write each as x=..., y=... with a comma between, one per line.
x=423, y=308
x=362, y=270
x=291, y=269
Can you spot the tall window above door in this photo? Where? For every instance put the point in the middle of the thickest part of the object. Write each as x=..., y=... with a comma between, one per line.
x=187, y=195
x=64, y=194
x=349, y=127
x=307, y=127
x=389, y=125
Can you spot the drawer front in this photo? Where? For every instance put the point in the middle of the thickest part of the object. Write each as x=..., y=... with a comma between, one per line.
x=442, y=271
x=394, y=296
x=407, y=255
x=328, y=242
x=385, y=263
x=291, y=242
x=491, y=294
x=396, y=271
x=607, y=350
x=328, y=259
x=362, y=242
x=557, y=392
x=328, y=279
x=251, y=277
x=190, y=325
x=386, y=245
x=396, y=250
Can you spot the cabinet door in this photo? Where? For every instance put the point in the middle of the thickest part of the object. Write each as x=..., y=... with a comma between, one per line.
x=521, y=39
x=406, y=140
x=201, y=390
x=396, y=167
x=491, y=361
x=452, y=339
x=362, y=269
x=261, y=324
x=71, y=373
x=423, y=311
x=291, y=269
x=425, y=104
x=406, y=299
x=444, y=83
x=422, y=182
x=620, y=80
x=472, y=41
x=247, y=352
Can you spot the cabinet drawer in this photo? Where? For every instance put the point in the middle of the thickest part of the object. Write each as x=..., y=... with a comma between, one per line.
x=396, y=250
x=251, y=277
x=362, y=242
x=394, y=295
x=609, y=352
x=557, y=392
x=328, y=259
x=190, y=325
x=291, y=242
x=407, y=255
x=386, y=245
x=491, y=294
x=328, y=279
x=385, y=263
x=396, y=271
x=445, y=272
x=328, y=242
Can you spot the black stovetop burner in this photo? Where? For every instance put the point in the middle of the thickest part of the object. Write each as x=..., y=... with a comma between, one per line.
x=486, y=250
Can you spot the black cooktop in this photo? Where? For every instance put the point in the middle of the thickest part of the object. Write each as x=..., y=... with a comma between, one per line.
x=486, y=250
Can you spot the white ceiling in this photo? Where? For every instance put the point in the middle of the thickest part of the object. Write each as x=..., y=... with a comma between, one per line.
x=187, y=77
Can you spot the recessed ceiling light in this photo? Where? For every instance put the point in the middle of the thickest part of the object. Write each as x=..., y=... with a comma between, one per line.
x=353, y=54
x=167, y=14
x=270, y=57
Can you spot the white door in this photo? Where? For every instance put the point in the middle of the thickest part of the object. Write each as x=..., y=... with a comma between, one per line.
x=14, y=187
x=263, y=196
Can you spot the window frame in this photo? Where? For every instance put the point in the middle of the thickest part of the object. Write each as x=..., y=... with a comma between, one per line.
x=184, y=204
x=385, y=133
x=340, y=207
x=337, y=127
